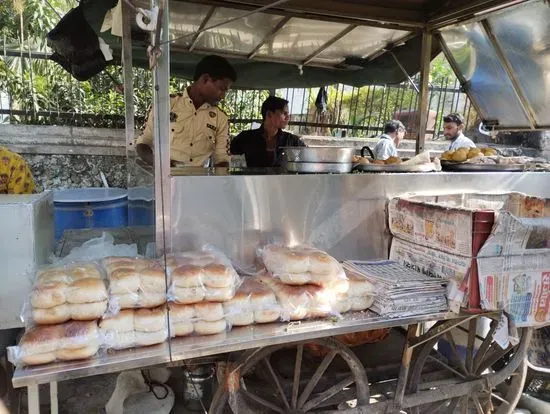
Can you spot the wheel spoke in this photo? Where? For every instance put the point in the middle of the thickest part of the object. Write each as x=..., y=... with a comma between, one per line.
x=297, y=371
x=472, y=329
x=464, y=404
x=477, y=405
x=316, y=377
x=277, y=382
x=447, y=367
x=261, y=401
x=331, y=392
x=482, y=351
x=496, y=353
x=458, y=358
x=499, y=398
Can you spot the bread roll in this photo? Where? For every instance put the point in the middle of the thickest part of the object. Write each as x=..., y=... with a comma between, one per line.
x=296, y=279
x=359, y=285
x=181, y=313
x=123, y=281
x=151, y=299
x=50, y=316
x=267, y=315
x=56, y=275
x=217, y=276
x=181, y=328
x=38, y=359
x=209, y=311
x=124, y=301
x=153, y=280
x=218, y=294
x=359, y=303
x=86, y=291
x=41, y=340
x=188, y=276
x=119, y=340
x=188, y=295
x=87, y=311
x=78, y=334
x=151, y=338
x=150, y=320
x=48, y=295
x=121, y=322
x=210, y=328
x=322, y=263
x=240, y=318
x=342, y=305
x=84, y=271
x=77, y=354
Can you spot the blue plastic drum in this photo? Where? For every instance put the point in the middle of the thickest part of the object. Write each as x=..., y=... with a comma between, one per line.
x=141, y=206
x=86, y=208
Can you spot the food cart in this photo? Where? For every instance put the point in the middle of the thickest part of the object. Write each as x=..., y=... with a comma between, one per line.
x=342, y=214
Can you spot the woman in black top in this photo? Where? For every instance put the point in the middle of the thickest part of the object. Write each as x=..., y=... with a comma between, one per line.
x=262, y=147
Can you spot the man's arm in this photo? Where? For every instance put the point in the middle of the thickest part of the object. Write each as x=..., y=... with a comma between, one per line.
x=237, y=145
x=221, y=151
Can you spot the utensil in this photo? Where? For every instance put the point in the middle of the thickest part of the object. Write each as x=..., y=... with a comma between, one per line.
x=318, y=154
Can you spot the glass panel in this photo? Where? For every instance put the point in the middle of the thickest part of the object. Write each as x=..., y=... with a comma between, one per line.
x=299, y=38
x=489, y=83
x=524, y=35
x=362, y=41
x=185, y=19
x=240, y=36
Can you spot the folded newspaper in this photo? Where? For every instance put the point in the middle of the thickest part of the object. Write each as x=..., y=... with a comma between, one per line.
x=400, y=291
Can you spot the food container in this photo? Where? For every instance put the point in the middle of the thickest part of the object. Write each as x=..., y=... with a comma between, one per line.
x=319, y=154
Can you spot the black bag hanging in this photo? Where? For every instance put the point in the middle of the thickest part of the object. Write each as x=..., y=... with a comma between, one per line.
x=321, y=103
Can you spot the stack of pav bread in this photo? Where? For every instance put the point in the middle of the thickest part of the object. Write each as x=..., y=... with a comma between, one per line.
x=200, y=281
x=137, y=297
x=309, y=283
x=65, y=304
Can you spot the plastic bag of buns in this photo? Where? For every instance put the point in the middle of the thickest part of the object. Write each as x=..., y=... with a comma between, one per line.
x=201, y=275
x=131, y=328
x=254, y=302
x=70, y=291
x=307, y=301
x=134, y=283
x=301, y=265
x=203, y=318
x=70, y=341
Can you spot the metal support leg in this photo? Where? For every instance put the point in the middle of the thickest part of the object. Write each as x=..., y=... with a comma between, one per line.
x=54, y=406
x=404, y=370
x=423, y=109
x=34, y=399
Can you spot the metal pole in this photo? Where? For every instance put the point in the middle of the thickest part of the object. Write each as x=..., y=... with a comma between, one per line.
x=161, y=127
x=128, y=79
x=423, y=109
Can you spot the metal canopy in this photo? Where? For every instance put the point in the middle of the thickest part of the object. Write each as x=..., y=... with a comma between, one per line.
x=503, y=62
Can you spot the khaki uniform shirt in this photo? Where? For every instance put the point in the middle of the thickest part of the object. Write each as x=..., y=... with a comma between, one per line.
x=195, y=134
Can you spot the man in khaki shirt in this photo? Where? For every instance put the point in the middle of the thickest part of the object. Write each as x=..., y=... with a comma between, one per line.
x=199, y=129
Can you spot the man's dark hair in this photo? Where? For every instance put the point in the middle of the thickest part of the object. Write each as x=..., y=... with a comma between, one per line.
x=215, y=66
x=272, y=104
x=394, y=126
x=456, y=118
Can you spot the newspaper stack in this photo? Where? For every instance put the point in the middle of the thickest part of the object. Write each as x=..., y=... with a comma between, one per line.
x=399, y=291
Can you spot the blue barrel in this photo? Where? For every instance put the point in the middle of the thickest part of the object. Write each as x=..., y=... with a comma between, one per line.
x=141, y=206
x=85, y=208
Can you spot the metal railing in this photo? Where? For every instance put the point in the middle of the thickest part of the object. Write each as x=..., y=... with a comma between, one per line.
x=51, y=97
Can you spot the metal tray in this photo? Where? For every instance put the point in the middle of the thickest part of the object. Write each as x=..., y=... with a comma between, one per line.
x=319, y=167
x=394, y=168
x=466, y=166
x=324, y=154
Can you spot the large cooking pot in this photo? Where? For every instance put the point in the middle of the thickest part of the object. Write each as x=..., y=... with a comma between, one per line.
x=319, y=154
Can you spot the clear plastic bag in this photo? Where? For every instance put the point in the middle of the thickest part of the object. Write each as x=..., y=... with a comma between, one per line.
x=134, y=283
x=205, y=318
x=63, y=292
x=202, y=275
x=97, y=249
x=134, y=328
x=69, y=341
x=301, y=265
x=253, y=302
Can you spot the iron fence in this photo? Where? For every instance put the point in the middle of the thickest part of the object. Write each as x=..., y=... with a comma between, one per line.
x=41, y=93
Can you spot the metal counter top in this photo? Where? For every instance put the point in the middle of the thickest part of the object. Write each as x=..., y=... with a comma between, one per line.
x=201, y=346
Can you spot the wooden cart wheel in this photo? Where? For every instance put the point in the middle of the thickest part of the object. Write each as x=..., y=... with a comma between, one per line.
x=261, y=382
x=480, y=356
